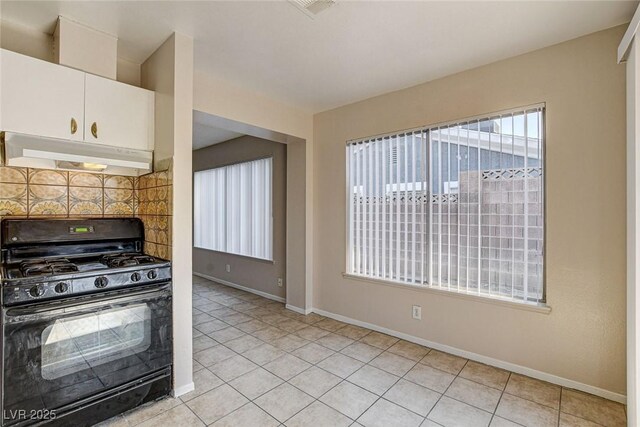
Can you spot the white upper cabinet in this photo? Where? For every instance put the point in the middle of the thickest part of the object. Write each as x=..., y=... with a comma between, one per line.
x=40, y=98
x=49, y=100
x=118, y=114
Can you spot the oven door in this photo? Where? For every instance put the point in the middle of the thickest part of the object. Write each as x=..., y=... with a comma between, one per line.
x=58, y=353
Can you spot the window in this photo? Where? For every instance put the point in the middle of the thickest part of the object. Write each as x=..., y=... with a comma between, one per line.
x=232, y=209
x=458, y=207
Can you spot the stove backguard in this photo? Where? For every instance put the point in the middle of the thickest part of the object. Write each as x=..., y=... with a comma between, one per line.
x=22, y=239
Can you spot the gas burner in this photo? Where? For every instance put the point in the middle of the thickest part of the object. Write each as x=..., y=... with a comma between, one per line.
x=126, y=260
x=41, y=267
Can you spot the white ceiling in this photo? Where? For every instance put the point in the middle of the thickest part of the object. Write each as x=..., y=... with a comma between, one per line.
x=209, y=130
x=204, y=136
x=352, y=51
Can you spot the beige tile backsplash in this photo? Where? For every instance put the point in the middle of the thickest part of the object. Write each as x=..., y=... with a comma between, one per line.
x=41, y=193
x=154, y=194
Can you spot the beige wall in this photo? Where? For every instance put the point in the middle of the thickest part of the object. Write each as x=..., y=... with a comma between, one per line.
x=299, y=225
x=220, y=98
x=27, y=41
x=169, y=72
x=128, y=72
x=182, y=219
x=583, y=338
x=629, y=51
x=253, y=273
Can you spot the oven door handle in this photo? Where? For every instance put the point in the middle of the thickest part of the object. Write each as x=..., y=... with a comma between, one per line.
x=86, y=303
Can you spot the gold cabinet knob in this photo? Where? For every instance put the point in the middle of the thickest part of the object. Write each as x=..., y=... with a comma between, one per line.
x=74, y=126
x=94, y=130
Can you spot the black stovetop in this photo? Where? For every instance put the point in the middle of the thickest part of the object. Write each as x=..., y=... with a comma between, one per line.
x=50, y=268
x=49, y=249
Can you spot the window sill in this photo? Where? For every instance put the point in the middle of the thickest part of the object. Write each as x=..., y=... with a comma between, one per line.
x=535, y=307
x=250, y=258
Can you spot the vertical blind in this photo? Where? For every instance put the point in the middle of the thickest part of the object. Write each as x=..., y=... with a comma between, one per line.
x=457, y=207
x=232, y=209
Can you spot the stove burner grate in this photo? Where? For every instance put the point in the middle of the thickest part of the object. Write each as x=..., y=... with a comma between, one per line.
x=126, y=260
x=40, y=267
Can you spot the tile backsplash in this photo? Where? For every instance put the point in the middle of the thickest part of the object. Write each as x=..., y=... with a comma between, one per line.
x=41, y=193
x=154, y=195
x=53, y=193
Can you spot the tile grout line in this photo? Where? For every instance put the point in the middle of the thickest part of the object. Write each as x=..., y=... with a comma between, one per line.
x=68, y=196
x=28, y=195
x=442, y=394
x=148, y=405
x=403, y=377
x=190, y=410
x=380, y=397
x=103, y=196
x=239, y=392
x=502, y=392
x=560, y=405
x=560, y=411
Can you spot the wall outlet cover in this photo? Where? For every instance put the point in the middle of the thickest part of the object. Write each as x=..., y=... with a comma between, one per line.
x=279, y=282
x=228, y=268
x=416, y=312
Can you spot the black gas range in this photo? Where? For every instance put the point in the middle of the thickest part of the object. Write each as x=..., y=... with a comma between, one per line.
x=53, y=259
x=86, y=320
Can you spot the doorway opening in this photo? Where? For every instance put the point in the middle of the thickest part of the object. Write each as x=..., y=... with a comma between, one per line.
x=240, y=205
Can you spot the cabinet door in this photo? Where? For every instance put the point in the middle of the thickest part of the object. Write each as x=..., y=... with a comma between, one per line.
x=40, y=98
x=118, y=114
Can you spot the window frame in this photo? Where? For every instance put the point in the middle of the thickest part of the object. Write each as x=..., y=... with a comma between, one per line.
x=271, y=216
x=542, y=304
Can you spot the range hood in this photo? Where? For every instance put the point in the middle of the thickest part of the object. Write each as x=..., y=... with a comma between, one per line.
x=36, y=152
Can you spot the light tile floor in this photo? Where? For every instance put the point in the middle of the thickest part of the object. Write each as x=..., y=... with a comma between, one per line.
x=259, y=364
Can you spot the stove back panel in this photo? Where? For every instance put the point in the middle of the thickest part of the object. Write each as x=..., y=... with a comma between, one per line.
x=24, y=239
x=28, y=232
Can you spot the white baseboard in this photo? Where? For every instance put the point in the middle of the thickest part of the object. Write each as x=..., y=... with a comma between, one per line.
x=241, y=287
x=182, y=390
x=299, y=310
x=564, y=382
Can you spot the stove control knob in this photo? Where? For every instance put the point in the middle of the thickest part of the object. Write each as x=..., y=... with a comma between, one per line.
x=101, y=282
x=62, y=287
x=36, y=291
x=135, y=277
x=152, y=274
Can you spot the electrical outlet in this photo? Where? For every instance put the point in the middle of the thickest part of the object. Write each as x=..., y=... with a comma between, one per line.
x=416, y=313
x=279, y=282
x=228, y=268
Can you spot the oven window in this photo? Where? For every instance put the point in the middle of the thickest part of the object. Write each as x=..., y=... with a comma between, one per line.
x=83, y=342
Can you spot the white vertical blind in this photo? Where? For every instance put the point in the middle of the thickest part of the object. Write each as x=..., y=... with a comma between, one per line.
x=210, y=229
x=386, y=207
x=233, y=209
x=458, y=207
